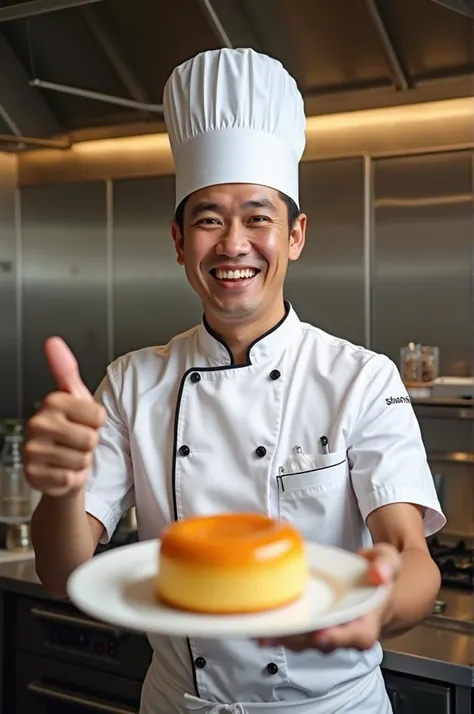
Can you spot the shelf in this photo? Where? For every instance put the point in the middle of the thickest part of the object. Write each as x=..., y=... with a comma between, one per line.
x=447, y=408
x=452, y=457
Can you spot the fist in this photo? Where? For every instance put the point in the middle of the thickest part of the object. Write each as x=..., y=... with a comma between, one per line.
x=62, y=435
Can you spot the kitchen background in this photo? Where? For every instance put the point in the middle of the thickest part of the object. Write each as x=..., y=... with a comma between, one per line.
x=86, y=201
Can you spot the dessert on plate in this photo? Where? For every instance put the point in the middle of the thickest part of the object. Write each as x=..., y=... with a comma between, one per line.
x=231, y=563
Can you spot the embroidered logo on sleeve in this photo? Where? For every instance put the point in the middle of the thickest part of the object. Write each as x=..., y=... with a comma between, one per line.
x=397, y=400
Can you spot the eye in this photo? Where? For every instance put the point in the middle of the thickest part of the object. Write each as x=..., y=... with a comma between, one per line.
x=259, y=219
x=207, y=222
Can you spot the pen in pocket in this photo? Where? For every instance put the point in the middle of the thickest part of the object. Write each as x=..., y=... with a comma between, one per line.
x=325, y=444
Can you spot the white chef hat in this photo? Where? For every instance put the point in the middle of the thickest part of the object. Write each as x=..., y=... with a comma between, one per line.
x=234, y=116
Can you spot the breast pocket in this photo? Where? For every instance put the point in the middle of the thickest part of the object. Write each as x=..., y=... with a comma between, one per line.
x=319, y=501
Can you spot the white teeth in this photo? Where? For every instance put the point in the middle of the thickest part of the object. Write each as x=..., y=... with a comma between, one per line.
x=235, y=274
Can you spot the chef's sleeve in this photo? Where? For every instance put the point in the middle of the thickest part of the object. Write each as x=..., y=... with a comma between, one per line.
x=109, y=490
x=387, y=456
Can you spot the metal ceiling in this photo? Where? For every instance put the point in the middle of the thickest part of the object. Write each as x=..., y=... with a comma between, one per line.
x=72, y=69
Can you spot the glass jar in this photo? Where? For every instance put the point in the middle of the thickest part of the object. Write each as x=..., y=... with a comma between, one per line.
x=410, y=363
x=15, y=492
x=429, y=363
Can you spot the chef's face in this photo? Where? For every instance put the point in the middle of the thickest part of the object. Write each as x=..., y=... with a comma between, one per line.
x=235, y=244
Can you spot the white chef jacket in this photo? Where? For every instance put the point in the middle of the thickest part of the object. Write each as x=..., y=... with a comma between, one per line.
x=189, y=433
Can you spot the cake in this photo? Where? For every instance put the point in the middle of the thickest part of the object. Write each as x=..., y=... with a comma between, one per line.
x=232, y=563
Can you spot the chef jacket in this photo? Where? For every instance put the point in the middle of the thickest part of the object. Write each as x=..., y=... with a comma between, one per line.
x=190, y=433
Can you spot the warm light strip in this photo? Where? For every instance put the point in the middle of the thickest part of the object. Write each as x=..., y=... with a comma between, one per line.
x=439, y=111
x=132, y=144
x=406, y=114
x=425, y=202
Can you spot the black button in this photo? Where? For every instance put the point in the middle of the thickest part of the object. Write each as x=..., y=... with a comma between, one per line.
x=260, y=451
x=184, y=450
x=195, y=377
x=275, y=374
x=200, y=662
x=272, y=668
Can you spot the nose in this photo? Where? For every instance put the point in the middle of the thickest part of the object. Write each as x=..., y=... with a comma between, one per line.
x=233, y=242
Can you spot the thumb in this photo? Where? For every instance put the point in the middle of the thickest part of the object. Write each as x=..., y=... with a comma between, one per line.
x=64, y=368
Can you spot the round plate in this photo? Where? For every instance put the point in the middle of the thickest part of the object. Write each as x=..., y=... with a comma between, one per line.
x=117, y=587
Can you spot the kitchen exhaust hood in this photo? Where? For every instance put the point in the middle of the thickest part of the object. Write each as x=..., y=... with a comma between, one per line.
x=76, y=70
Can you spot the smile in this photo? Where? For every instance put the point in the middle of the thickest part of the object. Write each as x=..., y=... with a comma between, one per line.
x=240, y=274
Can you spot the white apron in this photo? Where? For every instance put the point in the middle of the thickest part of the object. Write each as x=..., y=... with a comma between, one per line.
x=366, y=695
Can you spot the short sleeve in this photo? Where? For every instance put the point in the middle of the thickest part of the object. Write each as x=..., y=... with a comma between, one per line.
x=386, y=453
x=109, y=490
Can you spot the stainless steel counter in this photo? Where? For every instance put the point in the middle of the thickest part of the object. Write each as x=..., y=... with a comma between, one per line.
x=20, y=577
x=432, y=652
x=442, y=648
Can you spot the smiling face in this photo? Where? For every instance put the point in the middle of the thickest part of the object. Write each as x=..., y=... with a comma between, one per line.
x=235, y=248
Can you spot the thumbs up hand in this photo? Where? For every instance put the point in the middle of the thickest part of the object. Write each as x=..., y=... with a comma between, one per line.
x=62, y=435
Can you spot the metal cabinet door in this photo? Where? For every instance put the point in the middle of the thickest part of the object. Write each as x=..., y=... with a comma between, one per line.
x=48, y=686
x=414, y=696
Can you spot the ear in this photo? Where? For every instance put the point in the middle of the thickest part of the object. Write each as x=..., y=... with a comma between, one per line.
x=178, y=242
x=297, y=237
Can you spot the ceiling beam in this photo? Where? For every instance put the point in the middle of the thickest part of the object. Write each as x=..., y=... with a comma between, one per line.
x=228, y=20
x=24, y=141
x=96, y=96
x=114, y=53
x=24, y=109
x=463, y=7
x=9, y=122
x=215, y=23
x=397, y=72
x=38, y=7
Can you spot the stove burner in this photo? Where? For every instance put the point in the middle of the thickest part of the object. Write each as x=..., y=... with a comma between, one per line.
x=464, y=564
x=455, y=562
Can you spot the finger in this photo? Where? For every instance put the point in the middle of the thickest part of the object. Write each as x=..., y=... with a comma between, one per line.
x=46, y=453
x=361, y=634
x=71, y=409
x=54, y=428
x=54, y=481
x=385, y=563
x=64, y=368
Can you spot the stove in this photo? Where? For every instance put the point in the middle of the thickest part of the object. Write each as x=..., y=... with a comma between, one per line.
x=455, y=562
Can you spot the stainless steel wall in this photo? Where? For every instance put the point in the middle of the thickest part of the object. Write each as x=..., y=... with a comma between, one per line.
x=9, y=278
x=388, y=259
x=152, y=300
x=422, y=259
x=64, y=287
x=329, y=276
x=422, y=290
x=99, y=266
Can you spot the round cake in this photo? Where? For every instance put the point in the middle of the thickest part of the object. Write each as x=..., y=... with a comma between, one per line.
x=231, y=564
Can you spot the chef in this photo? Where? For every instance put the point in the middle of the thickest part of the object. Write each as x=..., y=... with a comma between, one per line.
x=251, y=410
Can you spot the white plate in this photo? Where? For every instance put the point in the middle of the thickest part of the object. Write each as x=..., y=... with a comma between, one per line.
x=117, y=587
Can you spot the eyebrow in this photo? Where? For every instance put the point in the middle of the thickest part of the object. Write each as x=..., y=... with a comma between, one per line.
x=203, y=206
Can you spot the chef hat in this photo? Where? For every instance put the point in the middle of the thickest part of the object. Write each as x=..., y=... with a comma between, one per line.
x=234, y=116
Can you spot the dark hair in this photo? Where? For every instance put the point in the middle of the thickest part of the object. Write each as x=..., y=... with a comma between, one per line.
x=293, y=211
